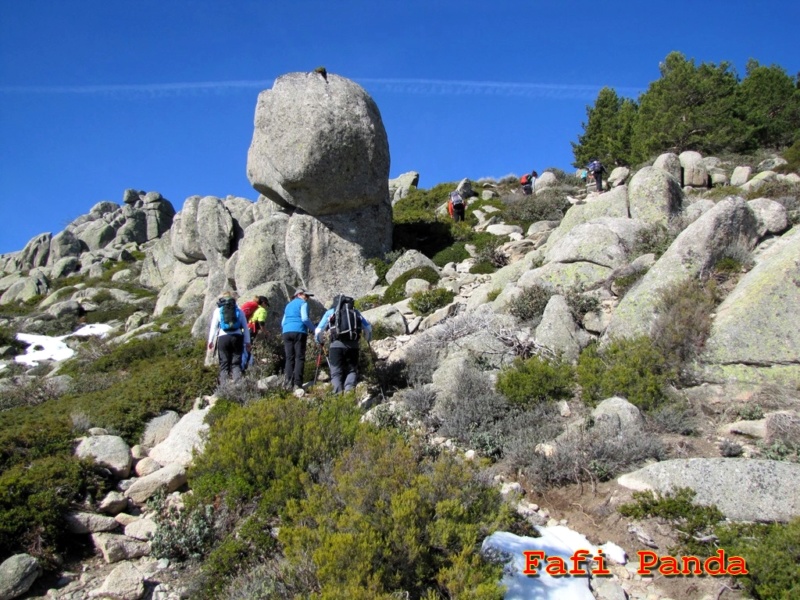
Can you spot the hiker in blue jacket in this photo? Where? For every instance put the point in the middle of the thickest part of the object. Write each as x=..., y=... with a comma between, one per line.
x=343, y=350
x=295, y=327
x=228, y=330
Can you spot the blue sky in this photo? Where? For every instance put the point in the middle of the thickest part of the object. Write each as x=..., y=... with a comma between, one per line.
x=100, y=96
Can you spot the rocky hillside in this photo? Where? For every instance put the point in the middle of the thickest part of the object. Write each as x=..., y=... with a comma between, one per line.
x=564, y=349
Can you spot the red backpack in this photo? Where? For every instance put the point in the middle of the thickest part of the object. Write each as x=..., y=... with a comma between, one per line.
x=248, y=308
x=525, y=179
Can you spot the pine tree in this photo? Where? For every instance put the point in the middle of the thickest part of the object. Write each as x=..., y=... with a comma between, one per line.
x=768, y=101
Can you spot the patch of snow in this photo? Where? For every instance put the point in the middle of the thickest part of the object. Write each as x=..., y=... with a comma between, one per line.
x=554, y=541
x=45, y=347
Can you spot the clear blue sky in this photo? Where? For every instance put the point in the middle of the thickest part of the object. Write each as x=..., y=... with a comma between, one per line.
x=102, y=95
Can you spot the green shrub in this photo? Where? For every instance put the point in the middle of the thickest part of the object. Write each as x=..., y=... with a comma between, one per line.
x=580, y=303
x=536, y=380
x=655, y=239
x=397, y=290
x=381, y=268
x=493, y=294
x=368, y=302
x=8, y=337
x=454, y=253
x=596, y=452
x=723, y=191
x=482, y=268
x=34, y=498
x=623, y=284
x=424, y=303
x=677, y=508
x=386, y=521
x=182, y=533
x=684, y=320
x=530, y=303
x=771, y=554
x=631, y=368
x=548, y=205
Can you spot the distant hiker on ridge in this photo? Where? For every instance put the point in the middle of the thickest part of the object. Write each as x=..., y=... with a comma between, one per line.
x=597, y=169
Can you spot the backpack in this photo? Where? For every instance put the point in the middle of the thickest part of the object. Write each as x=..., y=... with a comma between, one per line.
x=229, y=316
x=595, y=166
x=345, y=323
x=525, y=179
x=456, y=199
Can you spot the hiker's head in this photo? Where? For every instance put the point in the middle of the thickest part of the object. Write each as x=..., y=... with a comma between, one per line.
x=262, y=300
x=303, y=293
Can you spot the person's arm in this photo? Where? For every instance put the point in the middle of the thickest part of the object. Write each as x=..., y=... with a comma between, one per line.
x=213, y=328
x=323, y=323
x=304, y=317
x=245, y=328
x=365, y=327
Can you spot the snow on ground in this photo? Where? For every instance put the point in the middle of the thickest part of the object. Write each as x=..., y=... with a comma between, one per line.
x=45, y=347
x=554, y=541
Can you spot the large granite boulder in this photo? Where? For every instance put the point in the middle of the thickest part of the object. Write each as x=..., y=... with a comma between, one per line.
x=670, y=163
x=743, y=489
x=754, y=337
x=654, y=196
x=729, y=224
x=401, y=185
x=695, y=172
x=604, y=241
x=319, y=144
x=17, y=574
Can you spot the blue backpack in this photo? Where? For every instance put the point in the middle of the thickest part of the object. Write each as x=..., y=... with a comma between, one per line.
x=229, y=315
x=595, y=166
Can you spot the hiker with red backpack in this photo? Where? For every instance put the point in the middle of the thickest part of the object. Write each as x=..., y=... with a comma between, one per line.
x=528, y=182
x=457, y=202
x=343, y=325
x=255, y=311
x=229, y=331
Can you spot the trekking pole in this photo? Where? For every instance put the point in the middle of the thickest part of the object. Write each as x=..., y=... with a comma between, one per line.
x=319, y=361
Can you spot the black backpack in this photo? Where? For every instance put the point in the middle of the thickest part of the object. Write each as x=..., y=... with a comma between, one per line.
x=228, y=315
x=345, y=323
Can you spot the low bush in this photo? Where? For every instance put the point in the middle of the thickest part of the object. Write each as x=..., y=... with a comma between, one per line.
x=547, y=205
x=368, y=302
x=536, y=380
x=472, y=407
x=381, y=268
x=529, y=304
x=397, y=290
x=181, y=533
x=655, y=239
x=388, y=522
x=632, y=368
x=580, y=303
x=420, y=400
x=454, y=253
x=424, y=303
x=593, y=453
x=673, y=417
x=8, y=337
x=34, y=499
x=684, y=321
x=677, y=508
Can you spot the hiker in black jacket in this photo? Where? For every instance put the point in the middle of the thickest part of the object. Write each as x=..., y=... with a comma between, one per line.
x=597, y=169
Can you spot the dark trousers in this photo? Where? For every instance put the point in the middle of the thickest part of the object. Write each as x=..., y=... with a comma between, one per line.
x=458, y=213
x=598, y=179
x=294, y=343
x=229, y=350
x=344, y=367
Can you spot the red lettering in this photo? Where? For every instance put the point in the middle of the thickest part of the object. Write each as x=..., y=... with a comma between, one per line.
x=647, y=560
x=669, y=566
x=737, y=566
x=579, y=557
x=601, y=565
x=532, y=558
x=695, y=562
x=556, y=566
x=718, y=559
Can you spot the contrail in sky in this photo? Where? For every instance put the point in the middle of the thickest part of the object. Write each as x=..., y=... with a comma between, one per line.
x=416, y=87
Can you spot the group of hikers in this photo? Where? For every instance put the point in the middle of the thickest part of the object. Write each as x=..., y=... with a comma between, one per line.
x=457, y=202
x=233, y=329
